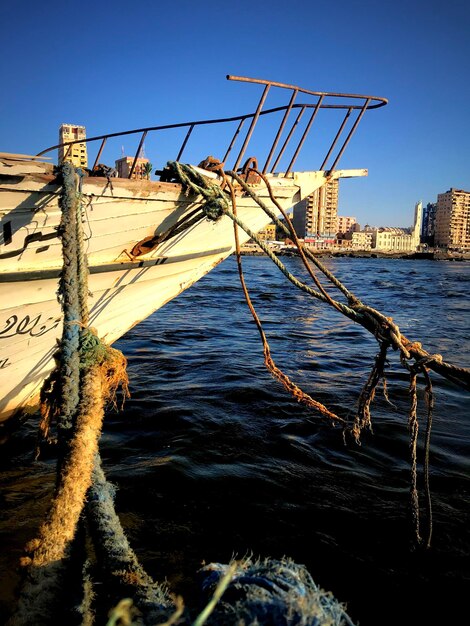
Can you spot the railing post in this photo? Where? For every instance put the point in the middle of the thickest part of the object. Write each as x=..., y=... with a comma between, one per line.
x=188, y=134
x=341, y=128
x=252, y=126
x=237, y=132
x=351, y=132
x=99, y=152
x=288, y=138
x=306, y=131
x=134, y=162
x=281, y=128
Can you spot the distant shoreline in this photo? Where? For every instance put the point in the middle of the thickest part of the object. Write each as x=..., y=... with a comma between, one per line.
x=367, y=254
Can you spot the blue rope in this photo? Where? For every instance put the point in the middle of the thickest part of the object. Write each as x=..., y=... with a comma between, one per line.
x=271, y=593
x=68, y=293
x=117, y=556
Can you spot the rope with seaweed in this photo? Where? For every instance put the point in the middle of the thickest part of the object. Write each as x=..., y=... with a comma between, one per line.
x=383, y=328
x=88, y=375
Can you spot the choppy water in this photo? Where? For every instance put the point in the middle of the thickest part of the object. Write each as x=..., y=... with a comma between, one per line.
x=212, y=458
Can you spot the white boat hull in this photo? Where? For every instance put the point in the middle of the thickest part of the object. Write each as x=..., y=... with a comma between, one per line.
x=123, y=290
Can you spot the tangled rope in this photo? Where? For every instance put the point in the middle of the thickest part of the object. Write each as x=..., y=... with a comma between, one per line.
x=412, y=355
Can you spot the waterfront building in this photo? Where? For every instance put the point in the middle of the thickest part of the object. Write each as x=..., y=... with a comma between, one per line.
x=355, y=239
x=345, y=224
x=141, y=170
x=452, y=230
x=361, y=240
x=391, y=239
x=429, y=223
x=316, y=217
x=77, y=152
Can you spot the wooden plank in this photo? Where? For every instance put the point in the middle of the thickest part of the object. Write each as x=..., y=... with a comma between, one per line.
x=22, y=157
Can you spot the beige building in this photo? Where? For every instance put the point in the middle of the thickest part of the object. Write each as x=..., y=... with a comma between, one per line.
x=361, y=240
x=77, y=152
x=355, y=239
x=141, y=170
x=345, y=224
x=452, y=229
x=317, y=215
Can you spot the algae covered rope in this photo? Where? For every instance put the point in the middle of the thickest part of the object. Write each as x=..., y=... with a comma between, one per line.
x=117, y=558
x=80, y=413
x=87, y=376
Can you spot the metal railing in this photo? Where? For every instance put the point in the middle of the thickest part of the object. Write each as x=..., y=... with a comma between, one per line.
x=354, y=105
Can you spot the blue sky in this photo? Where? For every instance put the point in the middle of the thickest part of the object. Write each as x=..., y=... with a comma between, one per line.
x=120, y=65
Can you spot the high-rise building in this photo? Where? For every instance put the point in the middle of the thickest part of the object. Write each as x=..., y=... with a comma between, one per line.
x=124, y=166
x=453, y=220
x=75, y=153
x=429, y=223
x=317, y=215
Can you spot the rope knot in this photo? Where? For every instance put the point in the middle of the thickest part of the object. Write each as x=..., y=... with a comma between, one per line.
x=216, y=201
x=215, y=207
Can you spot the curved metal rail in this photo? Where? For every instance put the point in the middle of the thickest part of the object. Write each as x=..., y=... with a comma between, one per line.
x=353, y=104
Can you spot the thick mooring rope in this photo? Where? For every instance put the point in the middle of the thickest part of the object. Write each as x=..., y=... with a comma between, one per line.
x=88, y=374
x=386, y=332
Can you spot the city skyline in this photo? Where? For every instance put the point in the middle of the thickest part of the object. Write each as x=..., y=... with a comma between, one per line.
x=131, y=68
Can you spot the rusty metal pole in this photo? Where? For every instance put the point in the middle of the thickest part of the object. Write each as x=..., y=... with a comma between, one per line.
x=237, y=132
x=281, y=128
x=306, y=131
x=188, y=134
x=134, y=162
x=99, y=152
x=351, y=133
x=288, y=138
x=338, y=134
x=252, y=126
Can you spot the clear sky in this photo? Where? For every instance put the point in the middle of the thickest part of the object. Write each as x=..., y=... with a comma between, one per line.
x=118, y=65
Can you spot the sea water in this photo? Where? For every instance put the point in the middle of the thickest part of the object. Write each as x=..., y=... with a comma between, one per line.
x=212, y=458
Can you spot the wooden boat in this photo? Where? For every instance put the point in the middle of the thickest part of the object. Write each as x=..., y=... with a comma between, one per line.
x=128, y=280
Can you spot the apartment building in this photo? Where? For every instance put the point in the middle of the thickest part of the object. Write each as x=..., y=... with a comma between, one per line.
x=75, y=153
x=345, y=224
x=429, y=223
x=317, y=215
x=452, y=227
